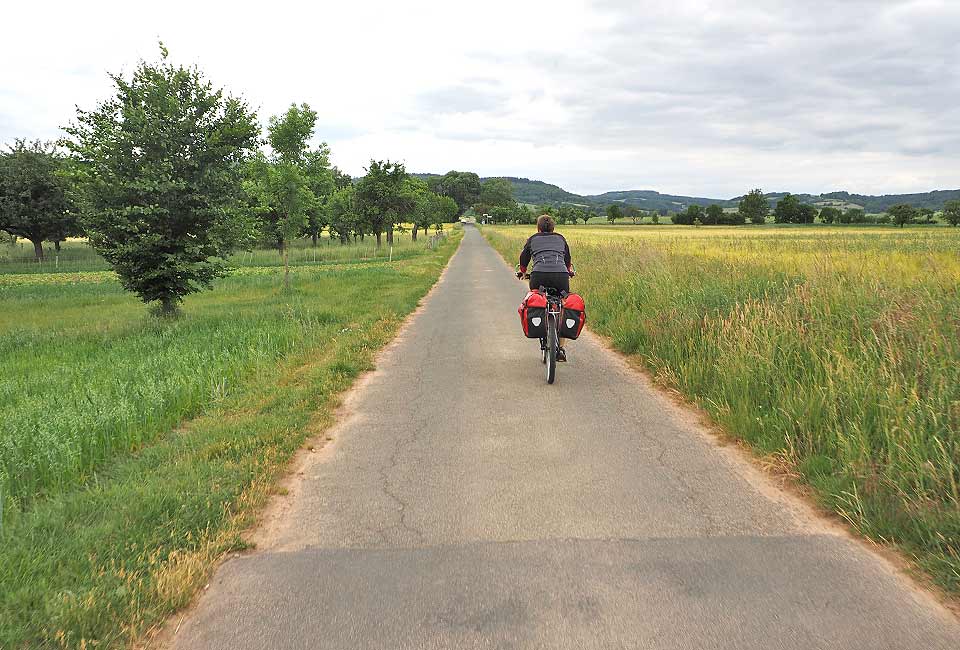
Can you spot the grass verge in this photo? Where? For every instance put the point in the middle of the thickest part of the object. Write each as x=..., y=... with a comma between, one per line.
x=836, y=351
x=102, y=561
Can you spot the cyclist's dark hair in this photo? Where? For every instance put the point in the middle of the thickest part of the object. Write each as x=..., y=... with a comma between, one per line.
x=545, y=223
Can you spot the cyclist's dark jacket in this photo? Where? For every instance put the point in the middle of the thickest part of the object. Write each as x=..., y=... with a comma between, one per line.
x=549, y=252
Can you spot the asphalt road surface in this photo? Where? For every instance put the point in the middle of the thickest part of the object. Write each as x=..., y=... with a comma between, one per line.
x=464, y=503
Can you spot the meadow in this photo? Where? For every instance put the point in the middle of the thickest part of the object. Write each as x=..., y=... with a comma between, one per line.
x=833, y=352
x=134, y=452
x=76, y=256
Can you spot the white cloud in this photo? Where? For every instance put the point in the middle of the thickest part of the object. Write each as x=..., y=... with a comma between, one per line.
x=705, y=98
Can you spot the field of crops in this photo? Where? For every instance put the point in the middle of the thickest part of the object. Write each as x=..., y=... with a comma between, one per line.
x=133, y=451
x=835, y=350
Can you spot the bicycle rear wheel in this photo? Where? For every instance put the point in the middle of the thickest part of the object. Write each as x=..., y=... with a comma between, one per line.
x=552, y=345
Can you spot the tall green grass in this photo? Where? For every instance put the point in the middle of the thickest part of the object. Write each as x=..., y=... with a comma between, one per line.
x=836, y=350
x=184, y=429
x=86, y=373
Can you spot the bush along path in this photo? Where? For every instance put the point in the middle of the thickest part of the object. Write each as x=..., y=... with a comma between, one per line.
x=102, y=562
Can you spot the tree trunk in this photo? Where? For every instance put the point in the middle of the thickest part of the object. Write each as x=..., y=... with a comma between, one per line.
x=38, y=248
x=314, y=238
x=286, y=270
x=169, y=307
x=379, y=243
x=390, y=235
x=281, y=245
x=56, y=245
x=414, y=232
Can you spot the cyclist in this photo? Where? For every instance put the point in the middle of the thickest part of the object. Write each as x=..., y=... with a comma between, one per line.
x=552, y=266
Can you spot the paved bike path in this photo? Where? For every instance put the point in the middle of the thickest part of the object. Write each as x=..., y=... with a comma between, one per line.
x=463, y=503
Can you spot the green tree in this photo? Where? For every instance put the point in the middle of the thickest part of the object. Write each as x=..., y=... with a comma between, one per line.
x=340, y=179
x=578, y=214
x=426, y=205
x=320, y=179
x=496, y=192
x=462, y=187
x=902, y=213
x=754, y=207
x=829, y=214
x=447, y=210
x=690, y=216
x=381, y=198
x=590, y=215
x=787, y=209
x=280, y=184
x=806, y=213
x=342, y=213
x=614, y=212
x=34, y=196
x=853, y=215
x=713, y=215
x=951, y=212
x=159, y=173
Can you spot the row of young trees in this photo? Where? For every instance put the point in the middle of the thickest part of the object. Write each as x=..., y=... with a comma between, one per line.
x=168, y=177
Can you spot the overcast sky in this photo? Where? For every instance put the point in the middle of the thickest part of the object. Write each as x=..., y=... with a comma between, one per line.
x=686, y=97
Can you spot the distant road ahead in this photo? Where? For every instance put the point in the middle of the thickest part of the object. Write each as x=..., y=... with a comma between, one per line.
x=467, y=504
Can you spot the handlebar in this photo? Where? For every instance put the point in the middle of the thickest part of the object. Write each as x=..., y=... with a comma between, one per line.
x=526, y=276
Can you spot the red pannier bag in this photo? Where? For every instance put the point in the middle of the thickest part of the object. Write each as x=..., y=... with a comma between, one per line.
x=573, y=317
x=533, y=315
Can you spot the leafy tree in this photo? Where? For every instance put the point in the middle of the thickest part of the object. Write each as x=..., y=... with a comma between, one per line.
x=853, y=215
x=951, y=212
x=496, y=192
x=655, y=218
x=902, y=213
x=342, y=213
x=614, y=212
x=34, y=196
x=281, y=183
x=158, y=166
x=787, y=209
x=590, y=215
x=829, y=214
x=447, y=210
x=320, y=179
x=340, y=179
x=806, y=213
x=754, y=207
x=713, y=214
x=498, y=214
x=462, y=187
x=381, y=198
x=692, y=214
x=925, y=215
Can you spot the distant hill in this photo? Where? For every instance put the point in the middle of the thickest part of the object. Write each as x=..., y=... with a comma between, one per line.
x=651, y=200
x=536, y=192
x=933, y=200
x=540, y=193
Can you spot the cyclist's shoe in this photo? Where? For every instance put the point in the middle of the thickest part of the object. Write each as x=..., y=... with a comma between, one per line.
x=561, y=354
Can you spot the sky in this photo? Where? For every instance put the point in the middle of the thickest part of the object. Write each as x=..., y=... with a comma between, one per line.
x=684, y=97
